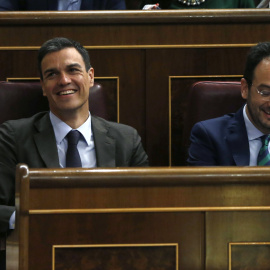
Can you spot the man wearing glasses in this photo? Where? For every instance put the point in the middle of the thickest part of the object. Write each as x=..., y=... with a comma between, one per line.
x=239, y=139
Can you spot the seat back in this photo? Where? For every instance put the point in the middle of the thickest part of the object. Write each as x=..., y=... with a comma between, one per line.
x=24, y=99
x=210, y=99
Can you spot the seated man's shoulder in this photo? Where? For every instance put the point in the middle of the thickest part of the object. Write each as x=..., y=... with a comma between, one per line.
x=26, y=121
x=214, y=123
x=112, y=126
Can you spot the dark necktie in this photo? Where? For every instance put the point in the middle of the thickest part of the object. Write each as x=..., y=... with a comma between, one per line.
x=73, y=157
x=264, y=156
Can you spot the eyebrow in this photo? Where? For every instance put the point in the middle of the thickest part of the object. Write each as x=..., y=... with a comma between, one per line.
x=74, y=65
x=68, y=66
x=264, y=85
x=49, y=70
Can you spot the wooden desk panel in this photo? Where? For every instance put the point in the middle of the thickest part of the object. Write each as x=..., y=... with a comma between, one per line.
x=191, y=214
x=248, y=230
x=119, y=230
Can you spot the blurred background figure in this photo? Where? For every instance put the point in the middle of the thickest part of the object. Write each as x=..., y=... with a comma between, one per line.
x=13, y=5
x=264, y=4
x=200, y=4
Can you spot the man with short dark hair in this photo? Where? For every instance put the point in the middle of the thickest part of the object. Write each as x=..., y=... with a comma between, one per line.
x=239, y=138
x=43, y=140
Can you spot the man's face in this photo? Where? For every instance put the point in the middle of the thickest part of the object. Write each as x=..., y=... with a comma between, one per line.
x=66, y=82
x=258, y=107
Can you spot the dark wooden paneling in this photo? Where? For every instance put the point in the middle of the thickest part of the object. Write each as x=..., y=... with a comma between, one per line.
x=201, y=210
x=116, y=257
x=128, y=65
x=119, y=229
x=230, y=227
x=18, y=64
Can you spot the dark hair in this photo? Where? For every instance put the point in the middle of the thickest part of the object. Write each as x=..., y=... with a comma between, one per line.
x=255, y=56
x=58, y=44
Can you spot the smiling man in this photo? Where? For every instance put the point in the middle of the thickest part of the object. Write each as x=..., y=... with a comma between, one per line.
x=66, y=82
x=239, y=138
x=44, y=140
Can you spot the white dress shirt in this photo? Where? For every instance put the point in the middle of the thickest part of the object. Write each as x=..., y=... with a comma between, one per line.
x=86, y=146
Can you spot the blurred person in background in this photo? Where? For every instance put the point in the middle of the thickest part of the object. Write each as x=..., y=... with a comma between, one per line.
x=31, y=5
x=200, y=4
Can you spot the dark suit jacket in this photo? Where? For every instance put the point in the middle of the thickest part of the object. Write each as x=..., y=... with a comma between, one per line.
x=8, y=5
x=32, y=141
x=221, y=141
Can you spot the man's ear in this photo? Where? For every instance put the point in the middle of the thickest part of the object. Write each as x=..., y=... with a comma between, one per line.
x=91, y=76
x=42, y=85
x=244, y=88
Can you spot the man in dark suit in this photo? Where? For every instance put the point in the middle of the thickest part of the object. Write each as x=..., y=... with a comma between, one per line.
x=237, y=139
x=10, y=5
x=41, y=140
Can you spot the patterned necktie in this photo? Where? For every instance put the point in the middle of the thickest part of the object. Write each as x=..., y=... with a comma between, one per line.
x=264, y=155
x=73, y=157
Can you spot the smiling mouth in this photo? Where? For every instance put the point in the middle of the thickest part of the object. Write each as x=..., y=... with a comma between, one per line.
x=266, y=112
x=67, y=92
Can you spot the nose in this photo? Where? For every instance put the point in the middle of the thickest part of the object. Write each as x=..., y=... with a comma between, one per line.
x=64, y=79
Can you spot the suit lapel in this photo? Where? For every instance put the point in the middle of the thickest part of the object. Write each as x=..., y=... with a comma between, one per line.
x=238, y=139
x=45, y=142
x=104, y=144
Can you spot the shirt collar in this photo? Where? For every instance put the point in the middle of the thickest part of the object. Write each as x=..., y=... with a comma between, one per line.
x=252, y=132
x=61, y=129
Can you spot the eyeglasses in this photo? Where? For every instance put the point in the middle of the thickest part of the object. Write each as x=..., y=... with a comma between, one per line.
x=264, y=91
